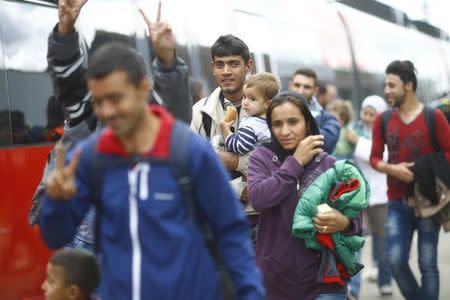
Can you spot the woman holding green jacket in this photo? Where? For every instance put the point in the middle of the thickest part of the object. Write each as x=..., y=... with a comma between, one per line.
x=279, y=173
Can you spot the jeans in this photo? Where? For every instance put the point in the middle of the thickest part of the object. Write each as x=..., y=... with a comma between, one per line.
x=378, y=253
x=354, y=284
x=331, y=297
x=401, y=223
x=376, y=217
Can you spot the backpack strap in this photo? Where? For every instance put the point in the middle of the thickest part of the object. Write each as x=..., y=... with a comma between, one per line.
x=429, y=114
x=385, y=118
x=98, y=164
x=179, y=161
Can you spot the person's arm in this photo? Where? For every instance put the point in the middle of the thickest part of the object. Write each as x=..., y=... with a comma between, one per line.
x=401, y=170
x=67, y=199
x=267, y=188
x=169, y=72
x=442, y=133
x=241, y=142
x=330, y=129
x=66, y=65
x=228, y=222
x=172, y=85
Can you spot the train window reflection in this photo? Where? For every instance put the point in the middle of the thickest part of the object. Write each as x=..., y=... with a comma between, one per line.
x=5, y=121
x=24, y=30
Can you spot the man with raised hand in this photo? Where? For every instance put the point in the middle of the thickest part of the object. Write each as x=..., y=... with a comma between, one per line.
x=151, y=245
x=170, y=80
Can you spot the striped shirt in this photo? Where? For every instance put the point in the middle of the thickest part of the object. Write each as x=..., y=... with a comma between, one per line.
x=253, y=131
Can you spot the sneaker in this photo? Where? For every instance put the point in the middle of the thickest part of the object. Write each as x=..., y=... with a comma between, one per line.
x=372, y=274
x=351, y=296
x=386, y=290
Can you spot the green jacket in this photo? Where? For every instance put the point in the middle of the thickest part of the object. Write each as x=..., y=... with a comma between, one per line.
x=349, y=204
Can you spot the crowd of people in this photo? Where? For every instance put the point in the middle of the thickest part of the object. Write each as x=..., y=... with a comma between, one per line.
x=172, y=195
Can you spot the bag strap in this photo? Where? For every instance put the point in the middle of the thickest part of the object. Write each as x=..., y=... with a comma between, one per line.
x=179, y=161
x=429, y=113
x=385, y=118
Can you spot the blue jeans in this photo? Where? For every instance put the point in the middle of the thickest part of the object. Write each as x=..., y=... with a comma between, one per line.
x=354, y=284
x=331, y=297
x=401, y=223
x=381, y=260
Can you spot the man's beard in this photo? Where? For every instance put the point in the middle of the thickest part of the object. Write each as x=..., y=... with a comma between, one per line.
x=398, y=101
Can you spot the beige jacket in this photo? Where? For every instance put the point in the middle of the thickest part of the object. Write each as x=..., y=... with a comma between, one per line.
x=211, y=106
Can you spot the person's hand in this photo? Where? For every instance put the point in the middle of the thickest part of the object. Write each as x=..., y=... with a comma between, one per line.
x=60, y=183
x=330, y=222
x=308, y=148
x=351, y=136
x=225, y=127
x=244, y=195
x=230, y=160
x=402, y=172
x=162, y=37
x=68, y=11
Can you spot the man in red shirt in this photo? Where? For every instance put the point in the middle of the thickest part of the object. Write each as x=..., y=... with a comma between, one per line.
x=408, y=138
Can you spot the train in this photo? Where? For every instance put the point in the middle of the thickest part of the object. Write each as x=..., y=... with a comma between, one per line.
x=344, y=44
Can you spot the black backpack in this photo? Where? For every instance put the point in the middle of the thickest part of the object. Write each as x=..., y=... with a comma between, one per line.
x=429, y=120
x=179, y=162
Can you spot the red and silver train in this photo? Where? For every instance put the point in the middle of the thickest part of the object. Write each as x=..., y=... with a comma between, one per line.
x=343, y=44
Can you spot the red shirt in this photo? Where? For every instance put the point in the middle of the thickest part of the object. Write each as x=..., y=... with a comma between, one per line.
x=406, y=143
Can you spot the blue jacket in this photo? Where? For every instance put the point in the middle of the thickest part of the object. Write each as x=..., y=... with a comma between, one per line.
x=329, y=127
x=149, y=243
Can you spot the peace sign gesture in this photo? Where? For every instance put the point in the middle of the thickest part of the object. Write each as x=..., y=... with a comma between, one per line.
x=61, y=181
x=162, y=37
x=68, y=11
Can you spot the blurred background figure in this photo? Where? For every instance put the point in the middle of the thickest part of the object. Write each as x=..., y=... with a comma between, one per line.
x=326, y=93
x=55, y=120
x=361, y=137
x=197, y=91
x=343, y=111
x=443, y=104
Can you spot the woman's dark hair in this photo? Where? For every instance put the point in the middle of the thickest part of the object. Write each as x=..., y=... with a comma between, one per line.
x=299, y=101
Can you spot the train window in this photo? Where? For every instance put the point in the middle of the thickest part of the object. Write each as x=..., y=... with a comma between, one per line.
x=24, y=30
x=5, y=120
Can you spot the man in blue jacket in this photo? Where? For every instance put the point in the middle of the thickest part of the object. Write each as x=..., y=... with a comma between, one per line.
x=150, y=247
x=304, y=81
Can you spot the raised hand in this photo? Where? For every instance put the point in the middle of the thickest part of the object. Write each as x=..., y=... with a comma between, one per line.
x=162, y=37
x=308, y=148
x=61, y=181
x=68, y=11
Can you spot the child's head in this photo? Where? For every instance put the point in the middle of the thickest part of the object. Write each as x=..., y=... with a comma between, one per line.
x=71, y=274
x=343, y=110
x=370, y=107
x=259, y=89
